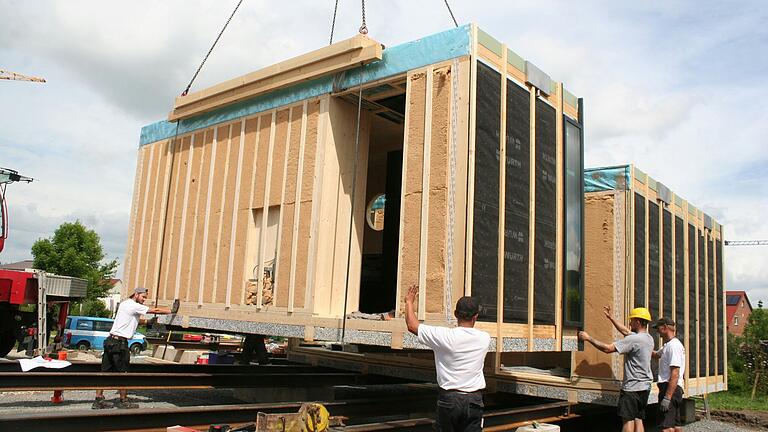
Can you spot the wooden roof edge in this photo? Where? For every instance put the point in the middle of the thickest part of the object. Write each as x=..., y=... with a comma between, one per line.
x=342, y=55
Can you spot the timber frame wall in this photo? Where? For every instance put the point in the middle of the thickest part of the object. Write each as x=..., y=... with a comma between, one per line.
x=242, y=206
x=667, y=255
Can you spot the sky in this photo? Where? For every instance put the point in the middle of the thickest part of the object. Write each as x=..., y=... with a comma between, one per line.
x=677, y=87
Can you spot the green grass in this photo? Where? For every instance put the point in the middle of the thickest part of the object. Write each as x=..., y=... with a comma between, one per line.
x=735, y=401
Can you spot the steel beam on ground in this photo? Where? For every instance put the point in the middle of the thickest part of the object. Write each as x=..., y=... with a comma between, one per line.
x=31, y=381
x=180, y=368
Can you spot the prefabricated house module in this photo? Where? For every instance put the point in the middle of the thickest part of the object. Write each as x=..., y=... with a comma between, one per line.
x=303, y=198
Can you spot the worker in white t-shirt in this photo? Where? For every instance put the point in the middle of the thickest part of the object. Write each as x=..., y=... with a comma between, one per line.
x=117, y=355
x=671, y=376
x=459, y=358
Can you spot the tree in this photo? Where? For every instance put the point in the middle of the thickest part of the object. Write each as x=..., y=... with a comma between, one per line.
x=754, y=350
x=76, y=251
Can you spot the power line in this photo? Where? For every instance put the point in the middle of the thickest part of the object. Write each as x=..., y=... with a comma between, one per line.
x=746, y=242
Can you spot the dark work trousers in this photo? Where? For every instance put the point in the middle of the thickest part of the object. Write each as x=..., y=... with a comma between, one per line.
x=459, y=411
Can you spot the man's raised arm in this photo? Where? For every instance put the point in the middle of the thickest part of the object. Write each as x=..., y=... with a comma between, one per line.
x=619, y=326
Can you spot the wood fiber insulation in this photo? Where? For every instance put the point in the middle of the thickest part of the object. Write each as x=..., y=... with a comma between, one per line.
x=291, y=172
x=517, y=204
x=169, y=240
x=202, y=216
x=238, y=274
x=214, y=209
x=227, y=207
x=189, y=251
x=639, y=255
x=278, y=158
x=142, y=171
x=546, y=214
x=693, y=301
x=485, y=234
x=600, y=245
x=189, y=215
x=438, y=191
x=146, y=215
x=412, y=183
x=260, y=183
x=155, y=213
x=305, y=205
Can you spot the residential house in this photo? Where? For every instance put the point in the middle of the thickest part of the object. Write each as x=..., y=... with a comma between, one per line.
x=737, y=308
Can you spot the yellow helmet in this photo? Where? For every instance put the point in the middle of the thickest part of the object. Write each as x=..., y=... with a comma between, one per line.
x=640, y=312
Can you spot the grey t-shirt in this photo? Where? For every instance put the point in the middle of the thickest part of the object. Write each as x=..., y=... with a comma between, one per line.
x=637, y=349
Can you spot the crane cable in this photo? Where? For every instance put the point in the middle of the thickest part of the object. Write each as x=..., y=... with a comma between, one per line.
x=186, y=90
x=451, y=12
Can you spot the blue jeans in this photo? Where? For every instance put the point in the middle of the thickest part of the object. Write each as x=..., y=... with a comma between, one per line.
x=459, y=412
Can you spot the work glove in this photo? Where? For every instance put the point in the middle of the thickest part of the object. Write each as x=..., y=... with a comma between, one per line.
x=152, y=321
x=664, y=405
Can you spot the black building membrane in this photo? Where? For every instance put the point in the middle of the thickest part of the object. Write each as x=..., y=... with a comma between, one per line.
x=720, y=317
x=653, y=273
x=666, y=244
x=712, y=308
x=639, y=250
x=546, y=213
x=517, y=204
x=485, y=237
x=702, y=308
x=693, y=319
x=680, y=279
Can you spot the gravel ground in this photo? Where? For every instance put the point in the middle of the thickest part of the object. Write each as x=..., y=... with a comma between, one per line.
x=716, y=426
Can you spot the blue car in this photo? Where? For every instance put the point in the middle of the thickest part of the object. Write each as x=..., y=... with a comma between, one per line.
x=90, y=332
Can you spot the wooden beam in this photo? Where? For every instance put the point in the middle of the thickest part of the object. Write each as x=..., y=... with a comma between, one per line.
x=204, y=251
x=317, y=194
x=136, y=279
x=401, y=227
x=299, y=182
x=559, y=230
x=471, y=162
x=335, y=58
x=502, y=211
x=223, y=197
x=235, y=211
x=531, y=216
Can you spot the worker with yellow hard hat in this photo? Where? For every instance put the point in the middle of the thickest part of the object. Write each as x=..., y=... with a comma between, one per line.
x=637, y=347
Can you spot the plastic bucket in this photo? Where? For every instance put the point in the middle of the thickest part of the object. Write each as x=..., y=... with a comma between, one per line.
x=62, y=355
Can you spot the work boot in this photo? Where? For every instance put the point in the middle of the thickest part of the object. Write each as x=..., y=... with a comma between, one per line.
x=101, y=403
x=125, y=404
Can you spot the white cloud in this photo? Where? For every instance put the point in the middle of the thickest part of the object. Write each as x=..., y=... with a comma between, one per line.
x=677, y=88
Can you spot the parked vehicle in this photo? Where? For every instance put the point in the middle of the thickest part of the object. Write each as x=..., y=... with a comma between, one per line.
x=90, y=332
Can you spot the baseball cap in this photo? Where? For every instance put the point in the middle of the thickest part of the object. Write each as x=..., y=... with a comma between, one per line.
x=466, y=308
x=139, y=290
x=663, y=321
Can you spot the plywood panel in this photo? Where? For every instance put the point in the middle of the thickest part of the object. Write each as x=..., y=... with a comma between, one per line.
x=412, y=181
x=599, y=232
x=438, y=191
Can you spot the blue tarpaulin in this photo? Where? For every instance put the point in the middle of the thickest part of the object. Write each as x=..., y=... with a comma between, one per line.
x=606, y=178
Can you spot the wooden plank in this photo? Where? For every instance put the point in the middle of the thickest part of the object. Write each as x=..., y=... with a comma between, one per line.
x=471, y=162
x=460, y=245
x=399, y=295
x=138, y=180
x=218, y=201
x=531, y=216
x=425, y=195
x=502, y=210
x=340, y=56
x=686, y=297
x=559, y=211
x=308, y=205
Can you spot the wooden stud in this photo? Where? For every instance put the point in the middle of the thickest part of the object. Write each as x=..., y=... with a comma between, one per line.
x=235, y=211
x=286, y=149
x=265, y=217
x=322, y=131
x=531, y=216
x=401, y=235
x=167, y=240
x=133, y=221
x=247, y=272
x=220, y=226
x=471, y=162
x=502, y=212
x=195, y=221
x=425, y=195
x=207, y=217
x=706, y=309
x=559, y=230
x=153, y=289
x=686, y=296
x=299, y=181
x=646, y=255
x=460, y=247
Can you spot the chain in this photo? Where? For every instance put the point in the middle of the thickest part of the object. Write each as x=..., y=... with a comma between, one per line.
x=451, y=12
x=333, y=23
x=184, y=93
x=364, y=27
